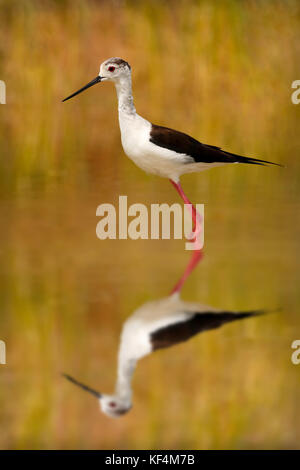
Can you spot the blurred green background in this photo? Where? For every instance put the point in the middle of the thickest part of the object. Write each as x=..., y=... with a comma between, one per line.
x=221, y=71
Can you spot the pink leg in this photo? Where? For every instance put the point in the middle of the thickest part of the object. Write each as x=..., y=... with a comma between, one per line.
x=196, y=217
x=196, y=257
x=197, y=253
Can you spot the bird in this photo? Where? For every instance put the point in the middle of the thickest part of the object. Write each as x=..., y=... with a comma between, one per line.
x=156, y=149
x=155, y=325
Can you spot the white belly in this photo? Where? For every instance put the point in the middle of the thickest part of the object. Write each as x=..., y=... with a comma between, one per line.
x=155, y=164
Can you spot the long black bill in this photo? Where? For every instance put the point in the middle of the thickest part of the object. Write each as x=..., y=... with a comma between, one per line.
x=93, y=82
x=84, y=387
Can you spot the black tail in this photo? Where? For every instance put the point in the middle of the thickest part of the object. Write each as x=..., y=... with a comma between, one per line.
x=252, y=161
x=197, y=323
x=213, y=320
x=219, y=319
x=230, y=316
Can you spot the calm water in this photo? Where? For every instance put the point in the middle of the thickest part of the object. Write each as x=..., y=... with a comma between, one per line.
x=65, y=293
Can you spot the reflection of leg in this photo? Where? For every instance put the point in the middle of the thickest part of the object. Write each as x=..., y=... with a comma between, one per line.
x=196, y=257
x=196, y=217
x=197, y=253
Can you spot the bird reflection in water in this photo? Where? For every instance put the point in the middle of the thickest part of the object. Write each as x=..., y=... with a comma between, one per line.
x=158, y=324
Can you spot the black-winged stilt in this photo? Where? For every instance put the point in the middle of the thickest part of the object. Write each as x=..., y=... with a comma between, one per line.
x=156, y=149
x=160, y=150
x=155, y=325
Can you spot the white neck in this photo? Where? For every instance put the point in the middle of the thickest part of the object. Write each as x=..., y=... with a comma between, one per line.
x=125, y=98
x=125, y=371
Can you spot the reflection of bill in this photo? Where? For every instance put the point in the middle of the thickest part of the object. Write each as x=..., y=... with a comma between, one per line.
x=295, y=357
x=2, y=92
x=2, y=352
x=156, y=325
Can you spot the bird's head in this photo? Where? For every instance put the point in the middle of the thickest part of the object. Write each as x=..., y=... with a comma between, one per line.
x=113, y=69
x=114, y=406
x=111, y=405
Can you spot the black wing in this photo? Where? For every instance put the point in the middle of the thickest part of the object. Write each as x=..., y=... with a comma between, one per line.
x=182, y=331
x=201, y=153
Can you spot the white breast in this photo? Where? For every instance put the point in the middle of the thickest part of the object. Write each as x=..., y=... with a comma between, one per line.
x=135, y=136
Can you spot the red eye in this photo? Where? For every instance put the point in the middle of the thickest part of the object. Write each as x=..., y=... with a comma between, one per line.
x=112, y=403
x=111, y=68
